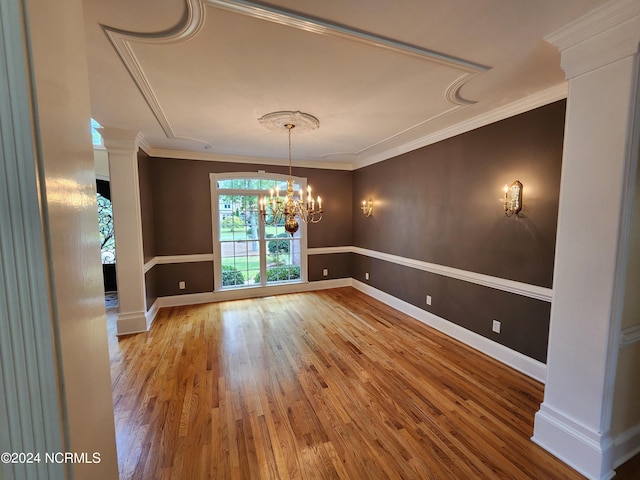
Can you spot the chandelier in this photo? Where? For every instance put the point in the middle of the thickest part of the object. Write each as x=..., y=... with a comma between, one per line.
x=289, y=208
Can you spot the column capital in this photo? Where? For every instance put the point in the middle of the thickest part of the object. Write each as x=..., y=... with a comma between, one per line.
x=120, y=140
x=602, y=36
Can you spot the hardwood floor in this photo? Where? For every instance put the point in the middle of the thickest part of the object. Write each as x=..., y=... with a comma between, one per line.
x=329, y=384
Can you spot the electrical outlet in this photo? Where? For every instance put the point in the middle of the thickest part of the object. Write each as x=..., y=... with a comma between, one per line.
x=428, y=299
x=182, y=285
x=366, y=276
x=496, y=326
x=325, y=272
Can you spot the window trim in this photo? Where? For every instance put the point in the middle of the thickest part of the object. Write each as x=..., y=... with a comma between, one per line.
x=214, y=178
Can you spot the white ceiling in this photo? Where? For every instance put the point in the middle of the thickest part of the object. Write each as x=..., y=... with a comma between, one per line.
x=382, y=76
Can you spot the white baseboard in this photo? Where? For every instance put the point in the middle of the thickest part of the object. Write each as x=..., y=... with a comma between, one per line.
x=131, y=322
x=586, y=451
x=244, y=293
x=522, y=363
x=152, y=313
x=626, y=445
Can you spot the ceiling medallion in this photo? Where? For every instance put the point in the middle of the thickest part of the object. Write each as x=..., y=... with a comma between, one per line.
x=278, y=121
x=287, y=210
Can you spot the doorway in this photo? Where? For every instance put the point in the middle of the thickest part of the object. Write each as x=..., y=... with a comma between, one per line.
x=107, y=240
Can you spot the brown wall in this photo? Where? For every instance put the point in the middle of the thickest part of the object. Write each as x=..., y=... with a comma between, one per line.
x=338, y=265
x=148, y=224
x=443, y=204
x=176, y=216
x=198, y=278
x=182, y=204
x=146, y=206
x=150, y=287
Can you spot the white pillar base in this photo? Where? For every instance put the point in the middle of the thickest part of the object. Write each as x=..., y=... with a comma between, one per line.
x=131, y=322
x=584, y=450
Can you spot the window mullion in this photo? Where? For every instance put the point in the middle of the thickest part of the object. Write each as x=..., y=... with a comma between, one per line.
x=287, y=266
x=263, y=255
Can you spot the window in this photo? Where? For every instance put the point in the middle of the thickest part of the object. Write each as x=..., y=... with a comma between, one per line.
x=105, y=223
x=95, y=135
x=247, y=252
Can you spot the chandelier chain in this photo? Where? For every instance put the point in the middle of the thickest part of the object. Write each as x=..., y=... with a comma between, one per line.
x=290, y=127
x=289, y=209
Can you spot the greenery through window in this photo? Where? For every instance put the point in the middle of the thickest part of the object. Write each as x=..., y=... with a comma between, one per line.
x=105, y=225
x=251, y=253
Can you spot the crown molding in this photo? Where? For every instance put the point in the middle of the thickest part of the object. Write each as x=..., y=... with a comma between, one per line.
x=544, y=97
x=603, y=36
x=539, y=99
x=452, y=93
x=190, y=24
x=219, y=157
x=323, y=27
x=193, y=21
x=594, y=23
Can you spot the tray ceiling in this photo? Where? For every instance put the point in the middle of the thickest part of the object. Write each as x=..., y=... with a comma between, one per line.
x=382, y=77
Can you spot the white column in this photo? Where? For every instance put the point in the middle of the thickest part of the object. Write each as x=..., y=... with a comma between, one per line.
x=599, y=54
x=122, y=147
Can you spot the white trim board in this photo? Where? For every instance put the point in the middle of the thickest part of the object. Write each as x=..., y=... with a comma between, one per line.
x=237, y=294
x=511, y=286
x=247, y=293
x=626, y=446
x=165, y=259
x=516, y=360
x=330, y=250
x=630, y=335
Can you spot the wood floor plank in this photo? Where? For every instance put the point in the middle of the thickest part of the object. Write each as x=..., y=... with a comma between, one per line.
x=319, y=385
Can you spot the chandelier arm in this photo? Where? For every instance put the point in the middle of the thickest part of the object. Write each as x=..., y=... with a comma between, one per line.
x=288, y=208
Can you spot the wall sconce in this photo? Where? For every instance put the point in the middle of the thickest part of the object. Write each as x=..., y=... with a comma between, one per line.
x=512, y=198
x=367, y=207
